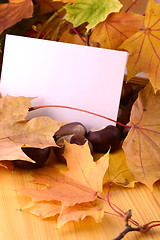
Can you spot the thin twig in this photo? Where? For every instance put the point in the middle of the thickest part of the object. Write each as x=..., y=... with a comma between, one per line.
x=128, y=228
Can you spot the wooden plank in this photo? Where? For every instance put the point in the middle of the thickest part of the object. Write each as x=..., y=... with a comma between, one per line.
x=17, y=225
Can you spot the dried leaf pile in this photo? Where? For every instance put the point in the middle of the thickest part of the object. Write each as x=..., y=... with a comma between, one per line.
x=74, y=190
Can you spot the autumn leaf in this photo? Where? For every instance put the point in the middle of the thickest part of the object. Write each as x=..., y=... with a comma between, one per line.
x=118, y=171
x=144, y=47
x=142, y=144
x=91, y=11
x=69, y=37
x=14, y=109
x=79, y=212
x=48, y=6
x=16, y=133
x=66, y=1
x=116, y=29
x=80, y=182
x=45, y=209
x=13, y=12
x=76, y=187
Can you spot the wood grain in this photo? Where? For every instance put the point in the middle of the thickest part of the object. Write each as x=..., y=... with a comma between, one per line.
x=17, y=225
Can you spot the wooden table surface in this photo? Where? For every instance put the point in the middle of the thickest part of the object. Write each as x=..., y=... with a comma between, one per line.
x=17, y=225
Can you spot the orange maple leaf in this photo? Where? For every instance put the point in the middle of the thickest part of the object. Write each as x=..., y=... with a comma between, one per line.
x=13, y=12
x=142, y=145
x=45, y=209
x=144, y=47
x=80, y=211
x=80, y=182
x=116, y=29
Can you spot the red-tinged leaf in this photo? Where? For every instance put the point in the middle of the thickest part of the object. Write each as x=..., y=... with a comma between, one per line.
x=13, y=12
x=142, y=144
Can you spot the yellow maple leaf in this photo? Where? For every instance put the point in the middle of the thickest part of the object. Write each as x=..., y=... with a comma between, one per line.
x=143, y=47
x=118, y=171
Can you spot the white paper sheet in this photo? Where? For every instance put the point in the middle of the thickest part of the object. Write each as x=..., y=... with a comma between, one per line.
x=64, y=74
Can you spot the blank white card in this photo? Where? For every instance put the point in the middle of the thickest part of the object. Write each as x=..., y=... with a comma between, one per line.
x=58, y=73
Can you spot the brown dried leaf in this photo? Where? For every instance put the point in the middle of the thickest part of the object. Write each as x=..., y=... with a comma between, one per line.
x=142, y=144
x=13, y=12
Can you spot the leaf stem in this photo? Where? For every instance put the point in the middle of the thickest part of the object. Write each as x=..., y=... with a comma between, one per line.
x=80, y=110
x=147, y=226
x=121, y=213
x=113, y=214
x=131, y=5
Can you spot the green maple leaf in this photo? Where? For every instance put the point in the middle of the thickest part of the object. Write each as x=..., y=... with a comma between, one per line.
x=91, y=11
